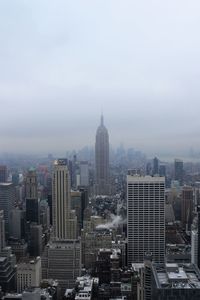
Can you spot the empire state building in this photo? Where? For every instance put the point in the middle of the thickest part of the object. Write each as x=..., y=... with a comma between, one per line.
x=102, y=160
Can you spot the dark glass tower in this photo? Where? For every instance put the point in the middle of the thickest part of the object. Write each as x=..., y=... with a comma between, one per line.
x=178, y=170
x=102, y=160
x=32, y=204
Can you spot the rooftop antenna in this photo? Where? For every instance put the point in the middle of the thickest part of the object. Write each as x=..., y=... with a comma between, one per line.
x=101, y=117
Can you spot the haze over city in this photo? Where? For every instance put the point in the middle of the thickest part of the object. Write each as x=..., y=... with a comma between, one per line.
x=64, y=62
x=99, y=150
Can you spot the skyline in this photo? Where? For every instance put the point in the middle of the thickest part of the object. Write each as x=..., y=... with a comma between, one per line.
x=63, y=63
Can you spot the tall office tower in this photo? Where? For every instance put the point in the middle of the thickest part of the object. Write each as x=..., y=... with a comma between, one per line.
x=148, y=169
x=102, y=160
x=3, y=173
x=79, y=202
x=31, y=195
x=84, y=173
x=7, y=200
x=35, y=240
x=194, y=247
x=178, y=170
x=162, y=170
x=16, y=223
x=187, y=207
x=63, y=222
x=155, y=166
x=195, y=241
x=2, y=230
x=44, y=214
x=49, y=197
x=7, y=261
x=146, y=218
x=61, y=257
x=198, y=236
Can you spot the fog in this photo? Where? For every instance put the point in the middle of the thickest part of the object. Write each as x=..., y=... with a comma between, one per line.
x=64, y=62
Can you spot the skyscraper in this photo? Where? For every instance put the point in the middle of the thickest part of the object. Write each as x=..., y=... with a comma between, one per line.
x=64, y=221
x=62, y=256
x=146, y=217
x=3, y=173
x=84, y=173
x=2, y=230
x=155, y=166
x=178, y=170
x=61, y=199
x=187, y=206
x=32, y=203
x=7, y=200
x=102, y=160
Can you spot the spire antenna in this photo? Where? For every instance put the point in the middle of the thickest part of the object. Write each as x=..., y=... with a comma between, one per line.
x=101, y=119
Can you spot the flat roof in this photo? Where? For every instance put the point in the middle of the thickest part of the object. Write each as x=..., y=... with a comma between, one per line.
x=147, y=179
x=176, y=276
x=2, y=258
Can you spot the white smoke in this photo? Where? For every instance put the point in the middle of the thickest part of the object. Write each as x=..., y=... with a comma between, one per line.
x=114, y=223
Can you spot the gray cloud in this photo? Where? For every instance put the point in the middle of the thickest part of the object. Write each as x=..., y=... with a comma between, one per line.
x=63, y=62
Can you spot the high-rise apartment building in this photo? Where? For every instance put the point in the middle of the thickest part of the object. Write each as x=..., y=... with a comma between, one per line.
x=146, y=218
x=102, y=160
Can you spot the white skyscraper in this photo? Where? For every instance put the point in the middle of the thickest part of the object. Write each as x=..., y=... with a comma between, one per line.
x=61, y=207
x=146, y=217
x=61, y=258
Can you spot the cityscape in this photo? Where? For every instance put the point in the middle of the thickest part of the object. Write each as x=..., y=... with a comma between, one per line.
x=99, y=229
x=99, y=150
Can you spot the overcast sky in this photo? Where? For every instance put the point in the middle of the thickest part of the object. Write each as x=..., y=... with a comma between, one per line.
x=63, y=62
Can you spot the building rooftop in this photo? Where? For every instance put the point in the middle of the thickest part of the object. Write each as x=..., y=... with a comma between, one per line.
x=63, y=244
x=29, y=260
x=147, y=178
x=2, y=259
x=60, y=162
x=176, y=276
